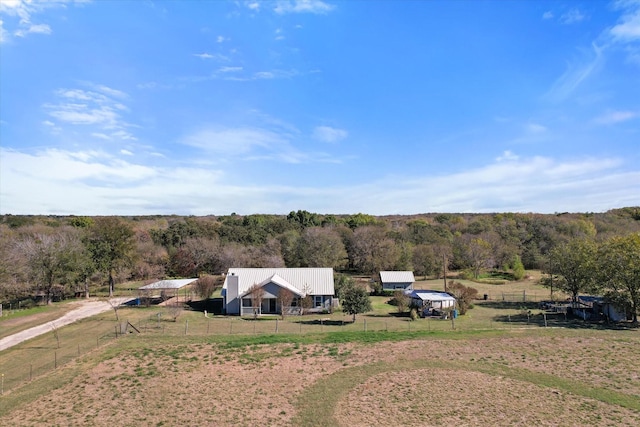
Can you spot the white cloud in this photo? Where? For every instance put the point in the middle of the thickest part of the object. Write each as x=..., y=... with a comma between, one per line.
x=203, y=55
x=535, y=128
x=253, y=5
x=229, y=69
x=93, y=183
x=507, y=156
x=23, y=11
x=33, y=29
x=628, y=29
x=547, y=15
x=126, y=152
x=303, y=6
x=572, y=16
x=329, y=134
x=234, y=141
x=614, y=117
x=221, y=39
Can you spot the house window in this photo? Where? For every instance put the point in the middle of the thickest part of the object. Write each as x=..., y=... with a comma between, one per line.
x=246, y=302
x=294, y=302
x=317, y=301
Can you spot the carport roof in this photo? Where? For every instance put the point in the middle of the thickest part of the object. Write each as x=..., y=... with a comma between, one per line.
x=168, y=284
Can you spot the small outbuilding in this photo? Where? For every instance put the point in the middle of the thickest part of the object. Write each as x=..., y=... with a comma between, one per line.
x=431, y=302
x=392, y=280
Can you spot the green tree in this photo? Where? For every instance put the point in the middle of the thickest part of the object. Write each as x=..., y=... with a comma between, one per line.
x=342, y=282
x=575, y=262
x=355, y=300
x=619, y=270
x=321, y=247
x=112, y=246
x=518, y=268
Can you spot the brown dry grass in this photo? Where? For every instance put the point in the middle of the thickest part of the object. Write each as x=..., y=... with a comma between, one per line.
x=483, y=380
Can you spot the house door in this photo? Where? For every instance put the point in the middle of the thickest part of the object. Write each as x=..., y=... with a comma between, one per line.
x=272, y=305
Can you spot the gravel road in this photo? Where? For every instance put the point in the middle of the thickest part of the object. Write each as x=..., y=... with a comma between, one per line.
x=86, y=309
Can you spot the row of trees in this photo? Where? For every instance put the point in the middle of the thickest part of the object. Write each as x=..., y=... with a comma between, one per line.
x=610, y=268
x=51, y=255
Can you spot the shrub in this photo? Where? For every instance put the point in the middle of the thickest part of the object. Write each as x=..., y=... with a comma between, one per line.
x=464, y=295
x=413, y=314
x=400, y=300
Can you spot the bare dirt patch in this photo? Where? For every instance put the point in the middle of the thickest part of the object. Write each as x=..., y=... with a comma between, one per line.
x=215, y=384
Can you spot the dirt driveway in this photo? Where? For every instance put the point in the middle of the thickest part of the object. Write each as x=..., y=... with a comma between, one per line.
x=86, y=309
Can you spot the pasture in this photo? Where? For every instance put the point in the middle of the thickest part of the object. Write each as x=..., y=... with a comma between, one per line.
x=498, y=365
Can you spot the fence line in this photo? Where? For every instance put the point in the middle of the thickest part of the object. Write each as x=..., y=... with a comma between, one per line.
x=236, y=326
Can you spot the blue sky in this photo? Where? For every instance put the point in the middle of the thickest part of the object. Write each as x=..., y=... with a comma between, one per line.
x=381, y=107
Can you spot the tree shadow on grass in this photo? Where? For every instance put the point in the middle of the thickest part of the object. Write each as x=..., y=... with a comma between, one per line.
x=509, y=305
x=328, y=322
x=559, y=320
x=211, y=305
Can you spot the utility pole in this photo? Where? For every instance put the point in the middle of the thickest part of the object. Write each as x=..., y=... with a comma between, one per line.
x=444, y=270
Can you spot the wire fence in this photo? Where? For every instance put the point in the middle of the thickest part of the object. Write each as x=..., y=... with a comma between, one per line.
x=27, y=361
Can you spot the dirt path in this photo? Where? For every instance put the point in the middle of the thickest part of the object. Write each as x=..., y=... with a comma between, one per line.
x=86, y=309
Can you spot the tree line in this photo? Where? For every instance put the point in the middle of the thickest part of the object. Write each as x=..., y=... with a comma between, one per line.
x=54, y=256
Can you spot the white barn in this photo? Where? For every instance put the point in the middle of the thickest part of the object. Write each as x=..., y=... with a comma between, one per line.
x=301, y=282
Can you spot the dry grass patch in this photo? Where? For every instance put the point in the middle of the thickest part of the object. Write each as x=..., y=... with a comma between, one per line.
x=435, y=397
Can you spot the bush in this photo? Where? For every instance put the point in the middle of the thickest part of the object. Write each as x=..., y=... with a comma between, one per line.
x=413, y=314
x=400, y=300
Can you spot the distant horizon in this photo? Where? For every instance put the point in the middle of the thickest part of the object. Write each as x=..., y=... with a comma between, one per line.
x=387, y=107
x=326, y=214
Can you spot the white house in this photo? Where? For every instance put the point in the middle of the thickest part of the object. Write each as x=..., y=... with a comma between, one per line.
x=392, y=280
x=301, y=282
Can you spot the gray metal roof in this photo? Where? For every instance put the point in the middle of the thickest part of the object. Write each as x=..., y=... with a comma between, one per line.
x=397, y=277
x=168, y=284
x=319, y=281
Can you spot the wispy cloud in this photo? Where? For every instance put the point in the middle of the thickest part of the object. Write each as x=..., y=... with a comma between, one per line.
x=572, y=16
x=508, y=155
x=97, y=109
x=547, y=15
x=329, y=134
x=577, y=72
x=222, y=39
x=23, y=11
x=229, y=69
x=303, y=6
x=535, y=128
x=613, y=117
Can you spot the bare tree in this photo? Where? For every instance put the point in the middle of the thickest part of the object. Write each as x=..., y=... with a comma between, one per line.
x=115, y=306
x=256, y=292
x=175, y=310
x=285, y=298
x=51, y=258
x=205, y=286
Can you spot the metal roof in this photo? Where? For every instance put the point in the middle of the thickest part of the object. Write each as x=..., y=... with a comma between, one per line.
x=430, y=295
x=280, y=282
x=397, y=277
x=314, y=281
x=168, y=284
